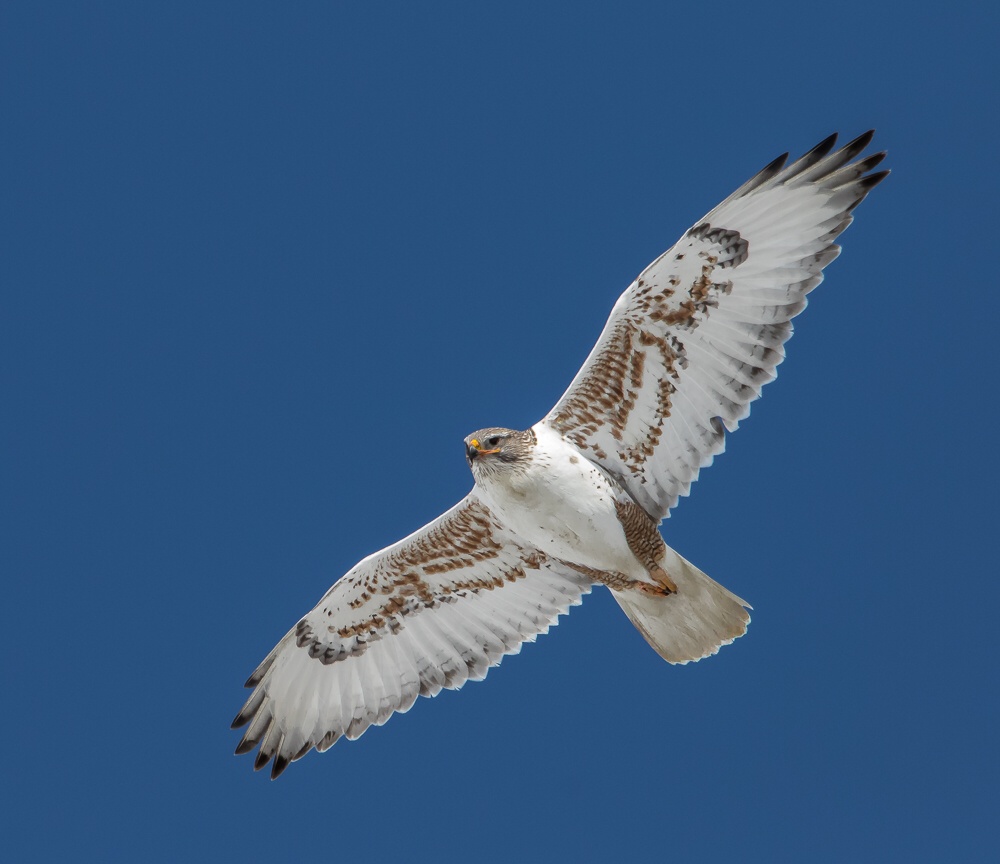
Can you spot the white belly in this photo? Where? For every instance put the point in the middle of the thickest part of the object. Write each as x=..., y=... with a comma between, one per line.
x=565, y=506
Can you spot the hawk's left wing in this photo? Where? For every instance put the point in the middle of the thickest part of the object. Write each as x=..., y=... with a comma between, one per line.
x=430, y=612
x=691, y=342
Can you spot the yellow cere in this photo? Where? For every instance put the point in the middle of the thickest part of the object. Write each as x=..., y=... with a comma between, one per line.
x=475, y=443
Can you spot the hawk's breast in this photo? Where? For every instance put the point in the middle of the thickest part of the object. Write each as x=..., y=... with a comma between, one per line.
x=564, y=505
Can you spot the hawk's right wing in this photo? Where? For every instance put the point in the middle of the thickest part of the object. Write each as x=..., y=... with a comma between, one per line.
x=430, y=612
x=691, y=342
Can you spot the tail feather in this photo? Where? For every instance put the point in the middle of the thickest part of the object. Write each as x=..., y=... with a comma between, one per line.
x=693, y=623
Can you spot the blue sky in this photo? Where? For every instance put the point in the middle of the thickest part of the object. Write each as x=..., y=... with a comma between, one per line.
x=264, y=268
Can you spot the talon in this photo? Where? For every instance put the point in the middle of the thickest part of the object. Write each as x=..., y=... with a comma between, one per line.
x=660, y=575
x=654, y=590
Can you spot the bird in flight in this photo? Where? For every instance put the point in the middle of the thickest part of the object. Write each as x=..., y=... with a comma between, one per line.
x=577, y=499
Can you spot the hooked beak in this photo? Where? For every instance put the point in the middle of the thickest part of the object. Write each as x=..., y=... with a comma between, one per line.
x=473, y=450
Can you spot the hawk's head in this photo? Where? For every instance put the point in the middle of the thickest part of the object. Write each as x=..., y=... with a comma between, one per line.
x=496, y=450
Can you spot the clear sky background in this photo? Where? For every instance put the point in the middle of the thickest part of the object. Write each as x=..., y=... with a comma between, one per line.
x=263, y=268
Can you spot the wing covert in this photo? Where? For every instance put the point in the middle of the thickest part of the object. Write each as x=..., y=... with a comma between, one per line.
x=434, y=610
x=691, y=342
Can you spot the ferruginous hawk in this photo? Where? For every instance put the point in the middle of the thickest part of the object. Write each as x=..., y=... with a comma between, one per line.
x=576, y=499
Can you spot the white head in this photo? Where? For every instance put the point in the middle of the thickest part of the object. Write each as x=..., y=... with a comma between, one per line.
x=495, y=452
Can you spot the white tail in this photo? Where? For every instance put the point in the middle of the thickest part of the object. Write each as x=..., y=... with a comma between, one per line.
x=693, y=623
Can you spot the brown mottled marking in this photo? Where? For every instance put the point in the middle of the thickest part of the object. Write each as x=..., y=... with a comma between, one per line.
x=603, y=402
x=409, y=593
x=394, y=605
x=644, y=540
x=635, y=456
x=468, y=533
x=409, y=584
x=360, y=601
x=508, y=576
x=683, y=314
x=448, y=565
x=617, y=581
x=636, y=369
x=369, y=625
x=602, y=397
x=702, y=285
x=535, y=559
x=327, y=653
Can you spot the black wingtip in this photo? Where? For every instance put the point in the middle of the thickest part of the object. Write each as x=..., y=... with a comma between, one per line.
x=808, y=160
x=244, y=716
x=773, y=167
x=869, y=162
x=863, y=140
x=261, y=760
x=853, y=148
x=872, y=180
x=245, y=746
x=866, y=184
x=280, y=764
x=824, y=147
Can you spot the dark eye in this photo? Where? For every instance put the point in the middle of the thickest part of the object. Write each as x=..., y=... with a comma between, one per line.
x=493, y=440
